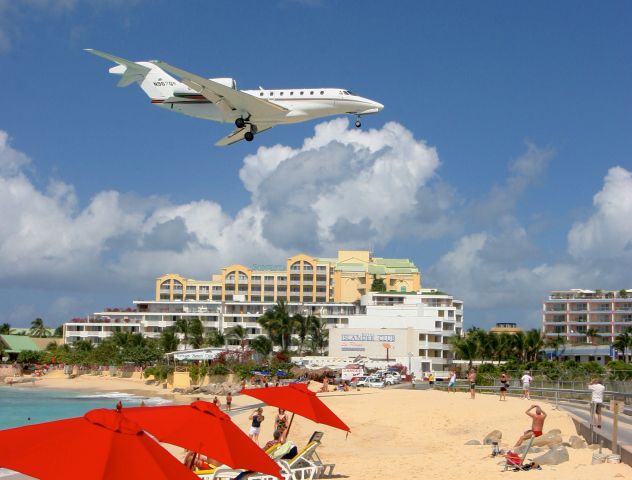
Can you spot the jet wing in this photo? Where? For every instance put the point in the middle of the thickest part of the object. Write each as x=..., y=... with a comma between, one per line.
x=238, y=134
x=226, y=98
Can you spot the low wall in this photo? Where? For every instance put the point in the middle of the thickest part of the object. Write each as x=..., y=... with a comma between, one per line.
x=583, y=430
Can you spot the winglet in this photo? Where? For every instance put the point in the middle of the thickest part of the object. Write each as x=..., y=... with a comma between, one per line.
x=131, y=71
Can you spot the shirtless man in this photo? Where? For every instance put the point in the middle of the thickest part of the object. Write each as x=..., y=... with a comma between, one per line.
x=537, y=425
x=471, y=377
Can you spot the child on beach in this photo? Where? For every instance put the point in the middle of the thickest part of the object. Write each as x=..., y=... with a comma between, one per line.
x=537, y=424
x=216, y=402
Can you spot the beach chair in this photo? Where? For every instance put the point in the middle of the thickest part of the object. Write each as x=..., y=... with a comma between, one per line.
x=516, y=462
x=308, y=457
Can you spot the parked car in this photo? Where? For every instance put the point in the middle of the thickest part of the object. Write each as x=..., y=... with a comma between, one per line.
x=360, y=381
x=392, y=379
x=374, y=382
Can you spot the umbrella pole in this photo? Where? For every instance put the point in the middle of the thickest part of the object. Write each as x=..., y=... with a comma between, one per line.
x=287, y=432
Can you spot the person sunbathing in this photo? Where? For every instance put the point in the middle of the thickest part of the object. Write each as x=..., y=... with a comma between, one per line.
x=276, y=440
x=537, y=424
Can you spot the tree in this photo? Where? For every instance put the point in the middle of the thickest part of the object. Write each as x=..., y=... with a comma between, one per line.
x=215, y=339
x=196, y=331
x=5, y=329
x=169, y=341
x=623, y=341
x=278, y=324
x=182, y=326
x=534, y=341
x=378, y=285
x=556, y=343
x=238, y=333
x=466, y=348
x=591, y=333
x=504, y=346
x=59, y=332
x=518, y=346
x=301, y=326
x=623, y=293
x=262, y=345
x=318, y=334
x=38, y=329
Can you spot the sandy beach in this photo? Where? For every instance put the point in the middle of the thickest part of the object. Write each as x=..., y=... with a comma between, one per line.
x=402, y=432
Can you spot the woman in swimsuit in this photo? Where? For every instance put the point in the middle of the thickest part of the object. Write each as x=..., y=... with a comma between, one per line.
x=504, y=386
x=280, y=423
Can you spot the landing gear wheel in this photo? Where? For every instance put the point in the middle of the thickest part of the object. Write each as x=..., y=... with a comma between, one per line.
x=249, y=136
x=358, y=124
x=240, y=122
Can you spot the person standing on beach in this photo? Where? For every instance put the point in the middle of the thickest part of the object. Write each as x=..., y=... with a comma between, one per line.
x=537, y=424
x=471, y=378
x=280, y=423
x=229, y=401
x=596, y=402
x=431, y=380
x=504, y=386
x=526, y=380
x=452, y=381
x=257, y=418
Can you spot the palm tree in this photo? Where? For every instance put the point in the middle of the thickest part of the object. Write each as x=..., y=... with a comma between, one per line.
x=623, y=341
x=465, y=348
x=278, y=324
x=196, y=330
x=262, y=345
x=318, y=334
x=301, y=326
x=504, y=346
x=534, y=342
x=239, y=333
x=169, y=341
x=5, y=329
x=591, y=333
x=518, y=346
x=215, y=339
x=38, y=329
x=556, y=343
x=182, y=326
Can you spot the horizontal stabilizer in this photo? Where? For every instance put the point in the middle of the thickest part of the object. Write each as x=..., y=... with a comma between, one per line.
x=131, y=71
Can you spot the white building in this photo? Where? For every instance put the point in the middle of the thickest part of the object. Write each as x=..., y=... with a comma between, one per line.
x=151, y=317
x=412, y=329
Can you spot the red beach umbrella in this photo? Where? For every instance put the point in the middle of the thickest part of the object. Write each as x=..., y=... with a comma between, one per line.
x=203, y=428
x=103, y=444
x=298, y=399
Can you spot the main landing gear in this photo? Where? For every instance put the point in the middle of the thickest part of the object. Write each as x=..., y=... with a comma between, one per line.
x=358, y=123
x=249, y=136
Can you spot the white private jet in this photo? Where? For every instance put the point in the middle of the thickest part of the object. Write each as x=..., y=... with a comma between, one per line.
x=252, y=111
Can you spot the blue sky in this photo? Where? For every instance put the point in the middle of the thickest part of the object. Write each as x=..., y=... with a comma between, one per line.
x=504, y=169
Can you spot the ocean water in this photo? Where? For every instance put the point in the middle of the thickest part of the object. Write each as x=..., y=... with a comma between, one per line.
x=27, y=405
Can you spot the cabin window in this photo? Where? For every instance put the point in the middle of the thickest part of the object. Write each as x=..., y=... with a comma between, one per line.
x=302, y=93
x=291, y=93
x=281, y=93
x=271, y=93
x=322, y=92
x=312, y=92
x=261, y=94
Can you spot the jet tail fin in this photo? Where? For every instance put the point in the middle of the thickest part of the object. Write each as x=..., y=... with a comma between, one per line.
x=131, y=71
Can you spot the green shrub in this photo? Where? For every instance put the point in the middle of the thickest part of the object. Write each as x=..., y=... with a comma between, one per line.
x=219, y=369
x=194, y=373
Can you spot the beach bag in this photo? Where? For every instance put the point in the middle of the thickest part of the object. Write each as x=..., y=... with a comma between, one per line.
x=513, y=458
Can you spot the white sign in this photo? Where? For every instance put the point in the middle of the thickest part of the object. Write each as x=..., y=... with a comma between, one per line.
x=349, y=373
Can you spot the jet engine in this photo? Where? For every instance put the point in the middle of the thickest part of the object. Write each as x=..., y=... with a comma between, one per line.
x=228, y=82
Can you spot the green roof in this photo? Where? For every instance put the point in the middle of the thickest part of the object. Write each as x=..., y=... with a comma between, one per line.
x=18, y=343
x=27, y=331
x=351, y=267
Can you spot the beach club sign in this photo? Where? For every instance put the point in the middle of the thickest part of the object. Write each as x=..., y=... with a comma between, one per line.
x=356, y=342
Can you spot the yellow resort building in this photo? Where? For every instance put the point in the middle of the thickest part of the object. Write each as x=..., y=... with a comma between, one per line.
x=303, y=279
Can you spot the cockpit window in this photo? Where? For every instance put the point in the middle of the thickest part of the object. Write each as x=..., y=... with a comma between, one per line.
x=349, y=92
